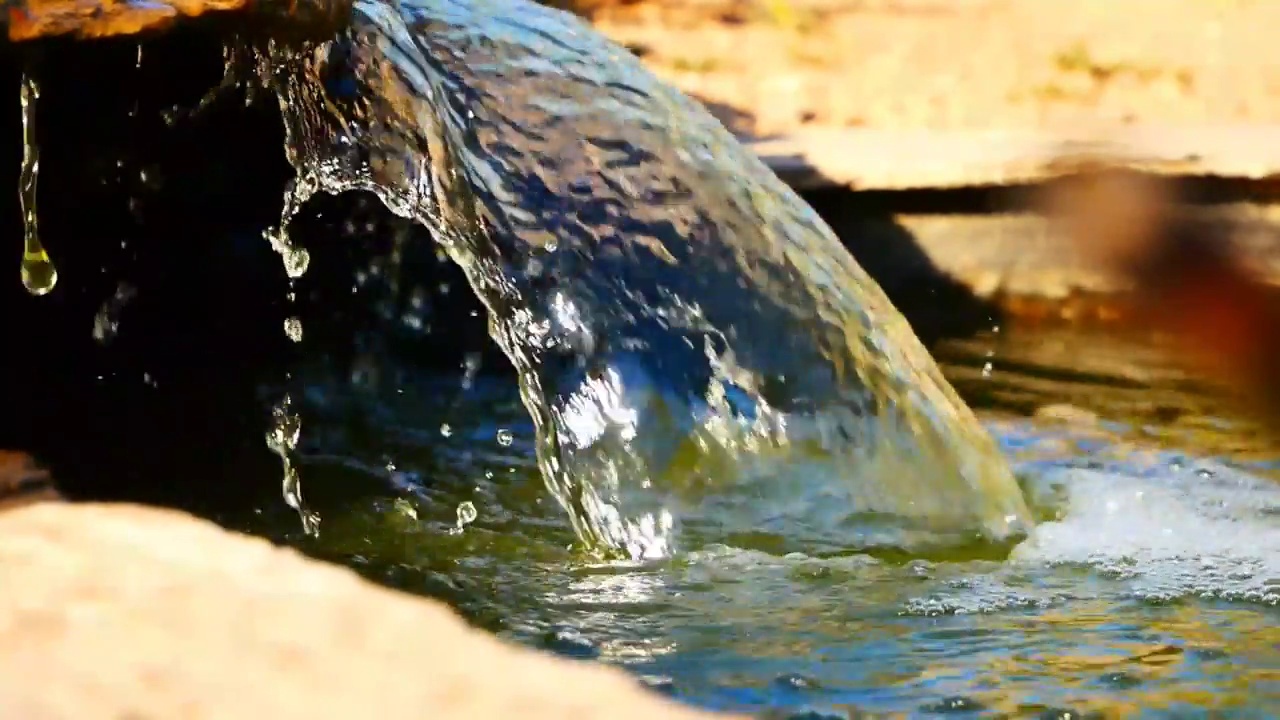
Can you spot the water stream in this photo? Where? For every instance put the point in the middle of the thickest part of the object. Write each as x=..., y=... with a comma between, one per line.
x=689, y=336
x=728, y=465
x=1150, y=587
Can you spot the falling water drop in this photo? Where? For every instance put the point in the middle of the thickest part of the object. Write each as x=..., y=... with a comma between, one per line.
x=286, y=427
x=986, y=369
x=293, y=329
x=470, y=367
x=296, y=259
x=504, y=437
x=282, y=438
x=106, y=323
x=38, y=273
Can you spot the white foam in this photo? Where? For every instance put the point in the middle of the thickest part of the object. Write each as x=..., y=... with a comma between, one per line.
x=1202, y=530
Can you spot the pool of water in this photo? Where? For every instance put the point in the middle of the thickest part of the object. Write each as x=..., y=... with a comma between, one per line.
x=1150, y=588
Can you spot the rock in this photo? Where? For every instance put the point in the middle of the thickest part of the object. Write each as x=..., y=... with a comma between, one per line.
x=119, y=611
x=98, y=18
x=22, y=482
x=31, y=19
x=1068, y=414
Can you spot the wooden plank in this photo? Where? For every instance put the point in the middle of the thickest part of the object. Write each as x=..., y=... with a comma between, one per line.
x=887, y=159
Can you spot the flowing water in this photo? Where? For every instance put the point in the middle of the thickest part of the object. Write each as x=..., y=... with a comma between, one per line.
x=1151, y=586
x=683, y=326
x=728, y=465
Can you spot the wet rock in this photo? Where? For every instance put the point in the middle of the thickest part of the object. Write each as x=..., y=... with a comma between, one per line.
x=144, y=613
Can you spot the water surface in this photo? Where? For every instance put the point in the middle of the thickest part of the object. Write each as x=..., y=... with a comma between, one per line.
x=1151, y=588
x=707, y=382
x=710, y=383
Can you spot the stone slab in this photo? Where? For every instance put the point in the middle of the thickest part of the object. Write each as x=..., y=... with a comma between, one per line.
x=887, y=159
x=117, y=611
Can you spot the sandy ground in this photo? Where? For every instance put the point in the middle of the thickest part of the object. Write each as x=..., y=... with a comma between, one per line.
x=961, y=63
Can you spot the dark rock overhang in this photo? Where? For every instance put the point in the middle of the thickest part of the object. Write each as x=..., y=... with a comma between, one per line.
x=152, y=205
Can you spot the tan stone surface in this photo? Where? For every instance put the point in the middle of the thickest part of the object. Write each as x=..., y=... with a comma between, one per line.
x=904, y=159
x=127, y=612
x=99, y=18
x=947, y=64
x=901, y=94
x=30, y=19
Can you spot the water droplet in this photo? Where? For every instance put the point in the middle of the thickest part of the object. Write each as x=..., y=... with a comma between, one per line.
x=986, y=370
x=504, y=437
x=296, y=259
x=471, y=366
x=106, y=323
x=39, y=275
x=282, y=439
x=795, y=682
x=446, y=430
x=405, y=508
x=466, y=514
x=293, y=329
x=956, y=704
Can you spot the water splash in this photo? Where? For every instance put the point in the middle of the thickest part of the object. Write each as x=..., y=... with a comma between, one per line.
x=282, y=439
x=467, y=514
x=286, y=429
x=684, y=327
x=39, y=275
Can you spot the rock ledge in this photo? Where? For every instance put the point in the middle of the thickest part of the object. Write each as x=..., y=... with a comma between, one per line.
x=120, y=611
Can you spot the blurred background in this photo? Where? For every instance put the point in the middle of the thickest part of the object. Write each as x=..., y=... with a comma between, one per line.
x=770, y=66
x=927, y=133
